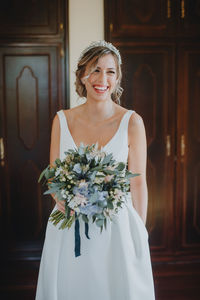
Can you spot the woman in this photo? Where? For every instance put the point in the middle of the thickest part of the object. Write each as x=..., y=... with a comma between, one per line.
x=114, y=264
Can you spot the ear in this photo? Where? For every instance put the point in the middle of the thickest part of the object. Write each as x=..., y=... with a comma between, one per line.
x=83, y=80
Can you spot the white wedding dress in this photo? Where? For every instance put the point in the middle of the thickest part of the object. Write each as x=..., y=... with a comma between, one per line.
x=114, y=264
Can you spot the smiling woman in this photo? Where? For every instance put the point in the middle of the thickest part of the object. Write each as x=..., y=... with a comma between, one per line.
x=113, y=264
x=103, y=62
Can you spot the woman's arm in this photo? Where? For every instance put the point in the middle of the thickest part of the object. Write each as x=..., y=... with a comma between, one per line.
x=137, y=164
x=55, y=153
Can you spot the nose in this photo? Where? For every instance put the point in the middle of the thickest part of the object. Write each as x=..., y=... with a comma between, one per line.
x=102, y=77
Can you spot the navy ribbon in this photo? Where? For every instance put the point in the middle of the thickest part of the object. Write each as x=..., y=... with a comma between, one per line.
x=86, y=230
x=77, y=248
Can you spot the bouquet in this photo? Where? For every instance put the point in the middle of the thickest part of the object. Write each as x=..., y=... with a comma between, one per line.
x=92, y=184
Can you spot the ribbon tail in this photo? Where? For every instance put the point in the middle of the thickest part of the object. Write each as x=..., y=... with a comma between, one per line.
x=77, y=248
x=86, y=230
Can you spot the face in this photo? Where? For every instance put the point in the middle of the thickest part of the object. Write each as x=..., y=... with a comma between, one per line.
x=101, y=82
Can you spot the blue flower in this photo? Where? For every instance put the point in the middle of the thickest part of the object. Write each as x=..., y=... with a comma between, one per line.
x=80, y=190
x=90, y=209
x=102, y=195
x=77, y=168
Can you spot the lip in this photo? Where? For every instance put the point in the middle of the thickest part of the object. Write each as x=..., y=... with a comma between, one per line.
x=100, y=89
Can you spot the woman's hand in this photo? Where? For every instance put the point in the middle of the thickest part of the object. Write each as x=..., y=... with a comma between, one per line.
x=61, y=206
x=59, y=203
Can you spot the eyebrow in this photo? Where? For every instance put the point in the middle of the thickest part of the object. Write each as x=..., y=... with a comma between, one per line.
x=107, y=68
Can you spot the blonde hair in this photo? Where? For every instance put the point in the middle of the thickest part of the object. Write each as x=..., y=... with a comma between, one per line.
x=92, y=55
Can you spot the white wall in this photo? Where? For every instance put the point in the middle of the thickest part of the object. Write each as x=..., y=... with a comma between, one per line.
x=86, y=24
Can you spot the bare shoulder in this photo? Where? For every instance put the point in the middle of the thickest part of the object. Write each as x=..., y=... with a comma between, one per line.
x=136, y=129
x=136, y=121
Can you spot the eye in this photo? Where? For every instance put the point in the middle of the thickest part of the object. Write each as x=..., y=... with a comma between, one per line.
x=111, y=72
x=97, y=71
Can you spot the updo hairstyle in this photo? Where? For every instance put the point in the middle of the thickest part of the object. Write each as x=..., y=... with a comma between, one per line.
x=92, y=55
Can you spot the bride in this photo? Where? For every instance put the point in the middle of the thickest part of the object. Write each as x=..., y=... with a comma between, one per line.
x=113, y=265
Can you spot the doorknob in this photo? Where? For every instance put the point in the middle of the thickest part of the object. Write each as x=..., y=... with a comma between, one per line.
x=182, y=145
x=182, y=9
x=2, y=152
x=168, y=9
x=168, y=145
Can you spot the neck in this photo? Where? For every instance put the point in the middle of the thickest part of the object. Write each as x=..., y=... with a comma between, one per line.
x=99, y=111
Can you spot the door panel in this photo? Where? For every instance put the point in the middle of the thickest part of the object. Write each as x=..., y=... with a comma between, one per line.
x=188, y=145
x=30, y=17
x=148, y=90
x=142, y=18
x=30, y=90
x=189, y=18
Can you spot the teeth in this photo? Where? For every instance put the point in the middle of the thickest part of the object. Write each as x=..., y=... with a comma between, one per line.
x=100, y=88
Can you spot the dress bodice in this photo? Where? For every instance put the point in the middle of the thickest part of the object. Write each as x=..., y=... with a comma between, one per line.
x=118, y=144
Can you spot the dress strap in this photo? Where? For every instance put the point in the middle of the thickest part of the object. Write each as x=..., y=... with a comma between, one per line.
x=62, y=119
x=125, y=121
x=61, y=116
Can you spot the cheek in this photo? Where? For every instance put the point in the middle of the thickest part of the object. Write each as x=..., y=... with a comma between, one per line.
x=113, y=82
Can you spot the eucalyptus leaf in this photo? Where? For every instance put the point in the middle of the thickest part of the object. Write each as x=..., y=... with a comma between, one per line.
x=43, y=174
x=110, y=205
x=107, y=159
x=51, y=191
x=131, y=175
x=120, y=166
x=57, y=161
x=99, y=222
x=85, y=218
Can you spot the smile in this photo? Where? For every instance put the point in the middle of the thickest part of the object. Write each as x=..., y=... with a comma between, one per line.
x=100, y=89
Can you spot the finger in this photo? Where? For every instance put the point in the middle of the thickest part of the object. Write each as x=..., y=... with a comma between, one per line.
x=61, y=207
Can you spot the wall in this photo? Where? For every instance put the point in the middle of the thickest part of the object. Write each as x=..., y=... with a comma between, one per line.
x=86, y=24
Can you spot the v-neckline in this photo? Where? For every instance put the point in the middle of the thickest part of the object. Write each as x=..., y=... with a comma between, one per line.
x=102, y=147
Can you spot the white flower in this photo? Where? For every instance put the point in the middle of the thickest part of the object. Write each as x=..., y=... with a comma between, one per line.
x=62, y=178
x=98, y=180
x=63, y=193
x=78, y=200
x=118, y=193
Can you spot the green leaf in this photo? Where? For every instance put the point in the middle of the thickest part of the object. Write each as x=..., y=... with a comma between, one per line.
x=51, y=191
x=131, y=175
x=105, y=223
x=107, y=159
x=120, y=166
x=109, y=172
x=99, y=222
x=58, y=161
x=110, y=205
x=85, y=218
x=43, y=174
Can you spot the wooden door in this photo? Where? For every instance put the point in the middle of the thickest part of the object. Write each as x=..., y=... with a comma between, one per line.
x=30, y=99
x=32, y=89
x=161, y=82
x=148, y=89
x=144, y=18
x=188, y=150
x=188, y=15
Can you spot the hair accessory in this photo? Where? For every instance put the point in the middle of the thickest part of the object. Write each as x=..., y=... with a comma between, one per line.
x=105, y=44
